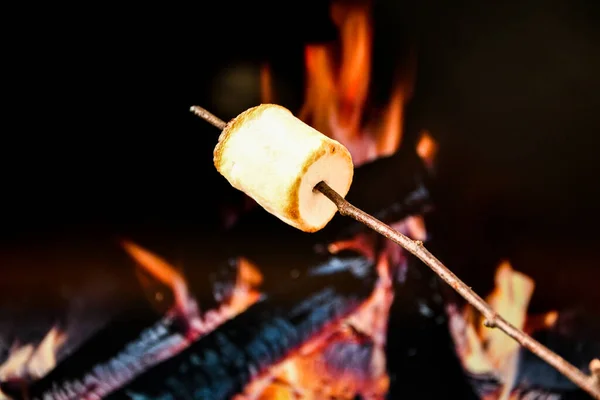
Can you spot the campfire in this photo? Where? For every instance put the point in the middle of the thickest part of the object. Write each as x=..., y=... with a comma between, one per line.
x=322, y=332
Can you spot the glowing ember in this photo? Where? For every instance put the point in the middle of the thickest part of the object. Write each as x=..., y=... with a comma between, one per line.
x=349, y=360
x=155, y=344
x=595, y=369
x=346, y=361
x=485, y=351
x=427, y=149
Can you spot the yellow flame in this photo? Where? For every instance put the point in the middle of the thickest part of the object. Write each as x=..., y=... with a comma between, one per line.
x=338, y=76
x=30, y=361
x=484, y=350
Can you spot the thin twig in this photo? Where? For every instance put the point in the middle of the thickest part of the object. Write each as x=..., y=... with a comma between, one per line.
x=493, y=320
x=208, y=117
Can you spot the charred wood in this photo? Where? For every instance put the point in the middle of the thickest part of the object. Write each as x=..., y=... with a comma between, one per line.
x=401, y=189
x=421, y=359
x=576, y=343
x=126, y=346
x=536, y=379
x=398, y=178
x=220, y=364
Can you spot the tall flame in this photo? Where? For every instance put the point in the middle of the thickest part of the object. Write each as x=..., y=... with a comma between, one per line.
x=338, y=77
x=162, y=271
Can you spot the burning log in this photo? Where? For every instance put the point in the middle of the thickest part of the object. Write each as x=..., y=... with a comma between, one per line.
x=534, y=378
x=128, y=345
x=222, y=363
x=307, y=158
x=140, y=337
x=348, y=364
x=30, y=361
x=416, y=247
x=497, y=367
x=534, y=374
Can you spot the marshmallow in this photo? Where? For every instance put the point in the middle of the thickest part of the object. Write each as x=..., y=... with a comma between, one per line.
x=277, y=160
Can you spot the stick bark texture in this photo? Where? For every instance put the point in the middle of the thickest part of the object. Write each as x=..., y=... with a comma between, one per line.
x=493, y=320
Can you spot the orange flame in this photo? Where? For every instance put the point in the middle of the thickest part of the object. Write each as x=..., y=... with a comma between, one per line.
x=338, y=76
x=163, y=272
x=595, y=369
x=427, y=148
x=245, y=292
x=510, y=299
x=489, y=351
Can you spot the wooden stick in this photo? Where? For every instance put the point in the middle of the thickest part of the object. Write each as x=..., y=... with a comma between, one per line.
x=208, y=117
x=493, y=320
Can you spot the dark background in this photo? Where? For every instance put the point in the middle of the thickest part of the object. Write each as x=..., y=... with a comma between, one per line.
x=99, y=142
x=102, y=140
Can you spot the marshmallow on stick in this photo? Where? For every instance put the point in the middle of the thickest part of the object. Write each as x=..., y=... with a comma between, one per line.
x=277, y=159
